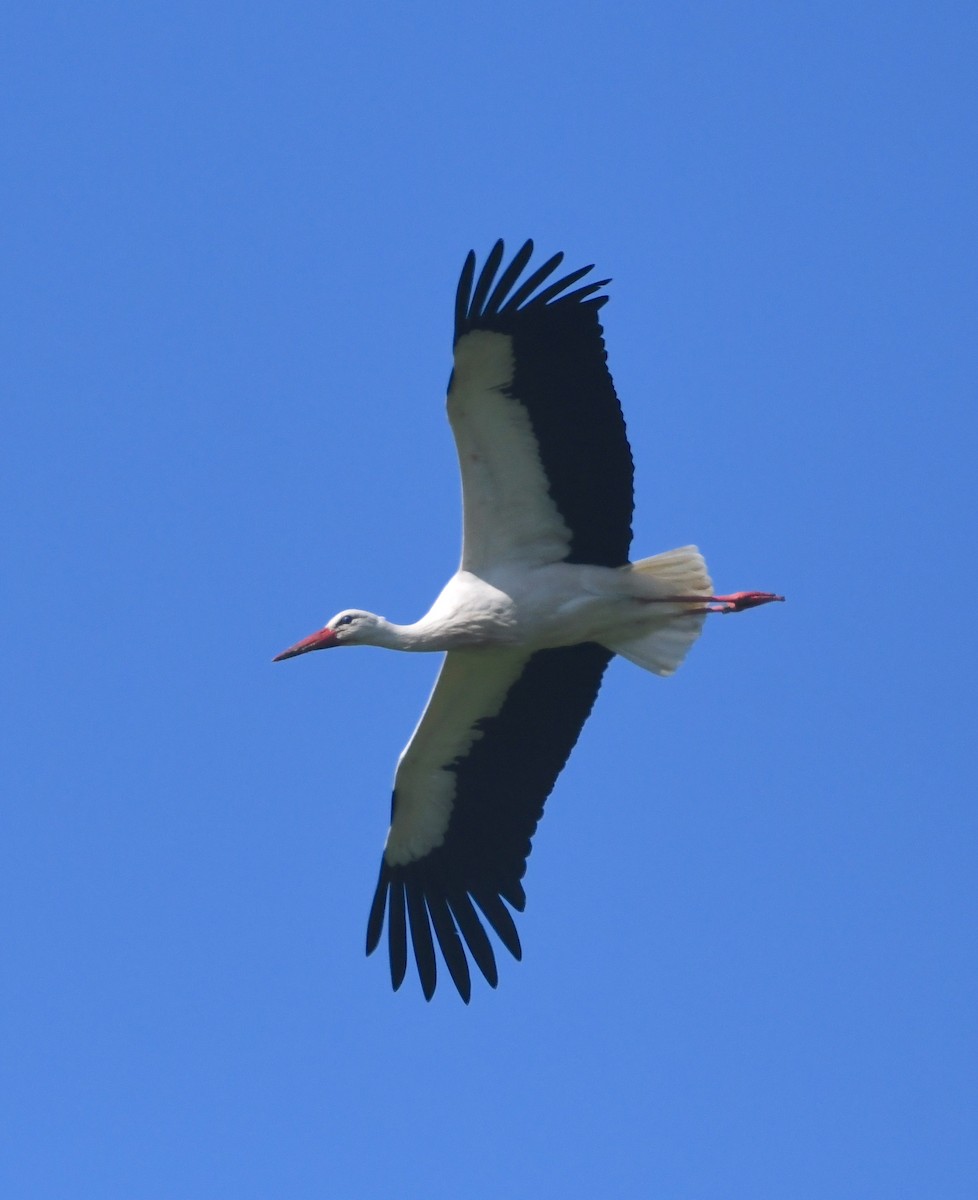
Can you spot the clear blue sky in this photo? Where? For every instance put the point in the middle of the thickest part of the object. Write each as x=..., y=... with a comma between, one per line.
x=231, y=236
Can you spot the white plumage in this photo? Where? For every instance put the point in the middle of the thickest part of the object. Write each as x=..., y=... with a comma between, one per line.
x=544, y=596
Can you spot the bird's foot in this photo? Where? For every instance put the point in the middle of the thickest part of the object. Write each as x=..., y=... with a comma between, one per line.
x=738, y=601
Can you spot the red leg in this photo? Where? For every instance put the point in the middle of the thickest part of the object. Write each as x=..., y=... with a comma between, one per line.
x=738, y=601
x=735, y=602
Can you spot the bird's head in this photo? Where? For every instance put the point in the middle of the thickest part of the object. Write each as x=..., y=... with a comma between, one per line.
x=348, y=628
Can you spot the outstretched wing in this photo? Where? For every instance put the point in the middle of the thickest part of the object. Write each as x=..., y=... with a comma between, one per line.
x=468, y=794
x=545, y=462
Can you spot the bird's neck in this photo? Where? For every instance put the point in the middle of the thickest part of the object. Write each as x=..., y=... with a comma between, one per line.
x=423, y=635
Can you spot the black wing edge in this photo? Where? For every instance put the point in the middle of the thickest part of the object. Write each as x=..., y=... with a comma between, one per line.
x=483, y=308
x=502, y=785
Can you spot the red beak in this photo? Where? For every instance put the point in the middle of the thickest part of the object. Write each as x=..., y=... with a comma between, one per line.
x=322, y=639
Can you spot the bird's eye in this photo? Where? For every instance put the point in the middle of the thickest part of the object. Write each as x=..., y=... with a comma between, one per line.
x=347, y=620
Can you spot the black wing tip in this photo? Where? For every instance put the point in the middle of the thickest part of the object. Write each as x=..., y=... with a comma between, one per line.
x=424, y=949
x=375, y=922
x=486, y=306
x=411, y=905
x=501, y=920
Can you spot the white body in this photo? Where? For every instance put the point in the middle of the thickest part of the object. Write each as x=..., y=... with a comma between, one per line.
x=557, y=604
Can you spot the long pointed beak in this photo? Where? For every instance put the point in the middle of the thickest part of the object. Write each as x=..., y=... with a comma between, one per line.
x=322, y=639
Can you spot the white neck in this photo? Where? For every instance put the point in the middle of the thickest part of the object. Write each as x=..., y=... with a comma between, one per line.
x=422, y=635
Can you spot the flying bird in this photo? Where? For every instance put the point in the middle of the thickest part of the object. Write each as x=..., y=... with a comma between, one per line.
x=544, y=597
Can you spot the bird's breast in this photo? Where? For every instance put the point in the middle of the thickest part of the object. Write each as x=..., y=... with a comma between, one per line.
x=472, y=612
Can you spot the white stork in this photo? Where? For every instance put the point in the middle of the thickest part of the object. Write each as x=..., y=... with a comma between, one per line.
x=543, y=598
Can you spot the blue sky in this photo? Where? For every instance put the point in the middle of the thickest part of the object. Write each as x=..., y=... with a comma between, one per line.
x=231, y=236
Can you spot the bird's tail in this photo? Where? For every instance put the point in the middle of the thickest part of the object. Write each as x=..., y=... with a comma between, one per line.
x=673, y=627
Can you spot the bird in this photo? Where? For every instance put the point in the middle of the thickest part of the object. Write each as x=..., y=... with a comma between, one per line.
x=544, y=596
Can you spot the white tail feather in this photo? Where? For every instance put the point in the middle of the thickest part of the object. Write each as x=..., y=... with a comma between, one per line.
x=677, y=572
x=673, y=628
x=664, y=647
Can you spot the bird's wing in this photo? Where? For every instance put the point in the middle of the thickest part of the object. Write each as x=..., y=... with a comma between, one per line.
x=468, y=794
x=546, y=467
